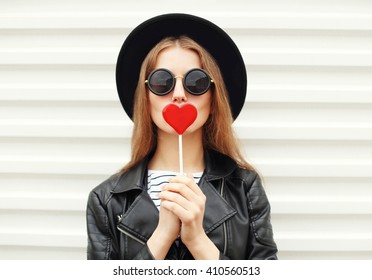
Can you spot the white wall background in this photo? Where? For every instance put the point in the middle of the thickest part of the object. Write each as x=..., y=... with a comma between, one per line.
x=307, y=123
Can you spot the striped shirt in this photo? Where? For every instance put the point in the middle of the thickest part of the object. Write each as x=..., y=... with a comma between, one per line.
x=157, y=178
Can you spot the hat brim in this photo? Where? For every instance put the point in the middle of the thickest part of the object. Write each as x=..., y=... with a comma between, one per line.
x=216, y=41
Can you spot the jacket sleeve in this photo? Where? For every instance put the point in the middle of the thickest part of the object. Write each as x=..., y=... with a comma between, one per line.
x=261, y=241
x=144, y=254
x=99, y=240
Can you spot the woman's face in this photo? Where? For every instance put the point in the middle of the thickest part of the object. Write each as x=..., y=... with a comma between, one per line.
x=179, y=61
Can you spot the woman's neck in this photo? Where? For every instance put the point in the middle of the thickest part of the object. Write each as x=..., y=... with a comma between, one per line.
x=166, y=156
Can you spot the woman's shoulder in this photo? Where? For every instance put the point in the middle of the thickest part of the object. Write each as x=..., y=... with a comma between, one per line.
x=222, y=165
x=245, y=174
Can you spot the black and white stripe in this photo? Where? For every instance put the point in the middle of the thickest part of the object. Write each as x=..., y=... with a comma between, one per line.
x=157, y=178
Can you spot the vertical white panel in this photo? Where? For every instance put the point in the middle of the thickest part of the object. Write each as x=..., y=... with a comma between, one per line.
x=306, y=124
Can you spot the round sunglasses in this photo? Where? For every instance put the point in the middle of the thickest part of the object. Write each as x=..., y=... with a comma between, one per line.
x=162, y=81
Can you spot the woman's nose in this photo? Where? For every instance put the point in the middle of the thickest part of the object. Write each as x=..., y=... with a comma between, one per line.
x=179, y=93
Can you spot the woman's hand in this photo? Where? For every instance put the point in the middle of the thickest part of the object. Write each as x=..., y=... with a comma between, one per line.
x=169, y=224
x=165, y=233
x=183, y=197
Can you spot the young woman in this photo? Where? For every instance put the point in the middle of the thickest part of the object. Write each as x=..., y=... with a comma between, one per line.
x=218, y=209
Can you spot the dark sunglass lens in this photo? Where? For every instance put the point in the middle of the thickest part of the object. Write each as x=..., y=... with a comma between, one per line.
x=161, y=82
x=197, y=82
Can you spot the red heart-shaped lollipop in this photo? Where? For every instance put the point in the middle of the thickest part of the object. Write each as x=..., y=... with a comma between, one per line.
x=180, y=118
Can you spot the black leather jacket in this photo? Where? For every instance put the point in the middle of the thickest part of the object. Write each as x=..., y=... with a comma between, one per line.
x=121, y=216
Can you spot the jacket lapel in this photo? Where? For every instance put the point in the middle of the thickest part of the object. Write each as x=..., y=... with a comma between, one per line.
x=217, y=210
x=141, y=219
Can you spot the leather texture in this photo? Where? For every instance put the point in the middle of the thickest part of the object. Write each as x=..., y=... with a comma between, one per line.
x=121, y=216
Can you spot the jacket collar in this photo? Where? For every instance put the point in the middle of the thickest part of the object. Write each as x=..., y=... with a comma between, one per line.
x=217, y=166
x=133, y=179
x=142, y=217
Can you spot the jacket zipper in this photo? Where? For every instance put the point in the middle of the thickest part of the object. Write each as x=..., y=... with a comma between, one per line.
x=131, y=235
x=224, y=224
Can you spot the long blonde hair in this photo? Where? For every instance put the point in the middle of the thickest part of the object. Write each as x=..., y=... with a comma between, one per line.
x=218, y=133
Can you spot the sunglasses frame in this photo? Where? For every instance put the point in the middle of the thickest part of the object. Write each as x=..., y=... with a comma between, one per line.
x=210, y=81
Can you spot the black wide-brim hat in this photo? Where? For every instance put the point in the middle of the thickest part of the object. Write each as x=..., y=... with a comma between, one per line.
x=216, y=41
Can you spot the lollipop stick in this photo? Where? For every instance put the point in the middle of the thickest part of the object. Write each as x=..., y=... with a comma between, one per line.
x=180, y=152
